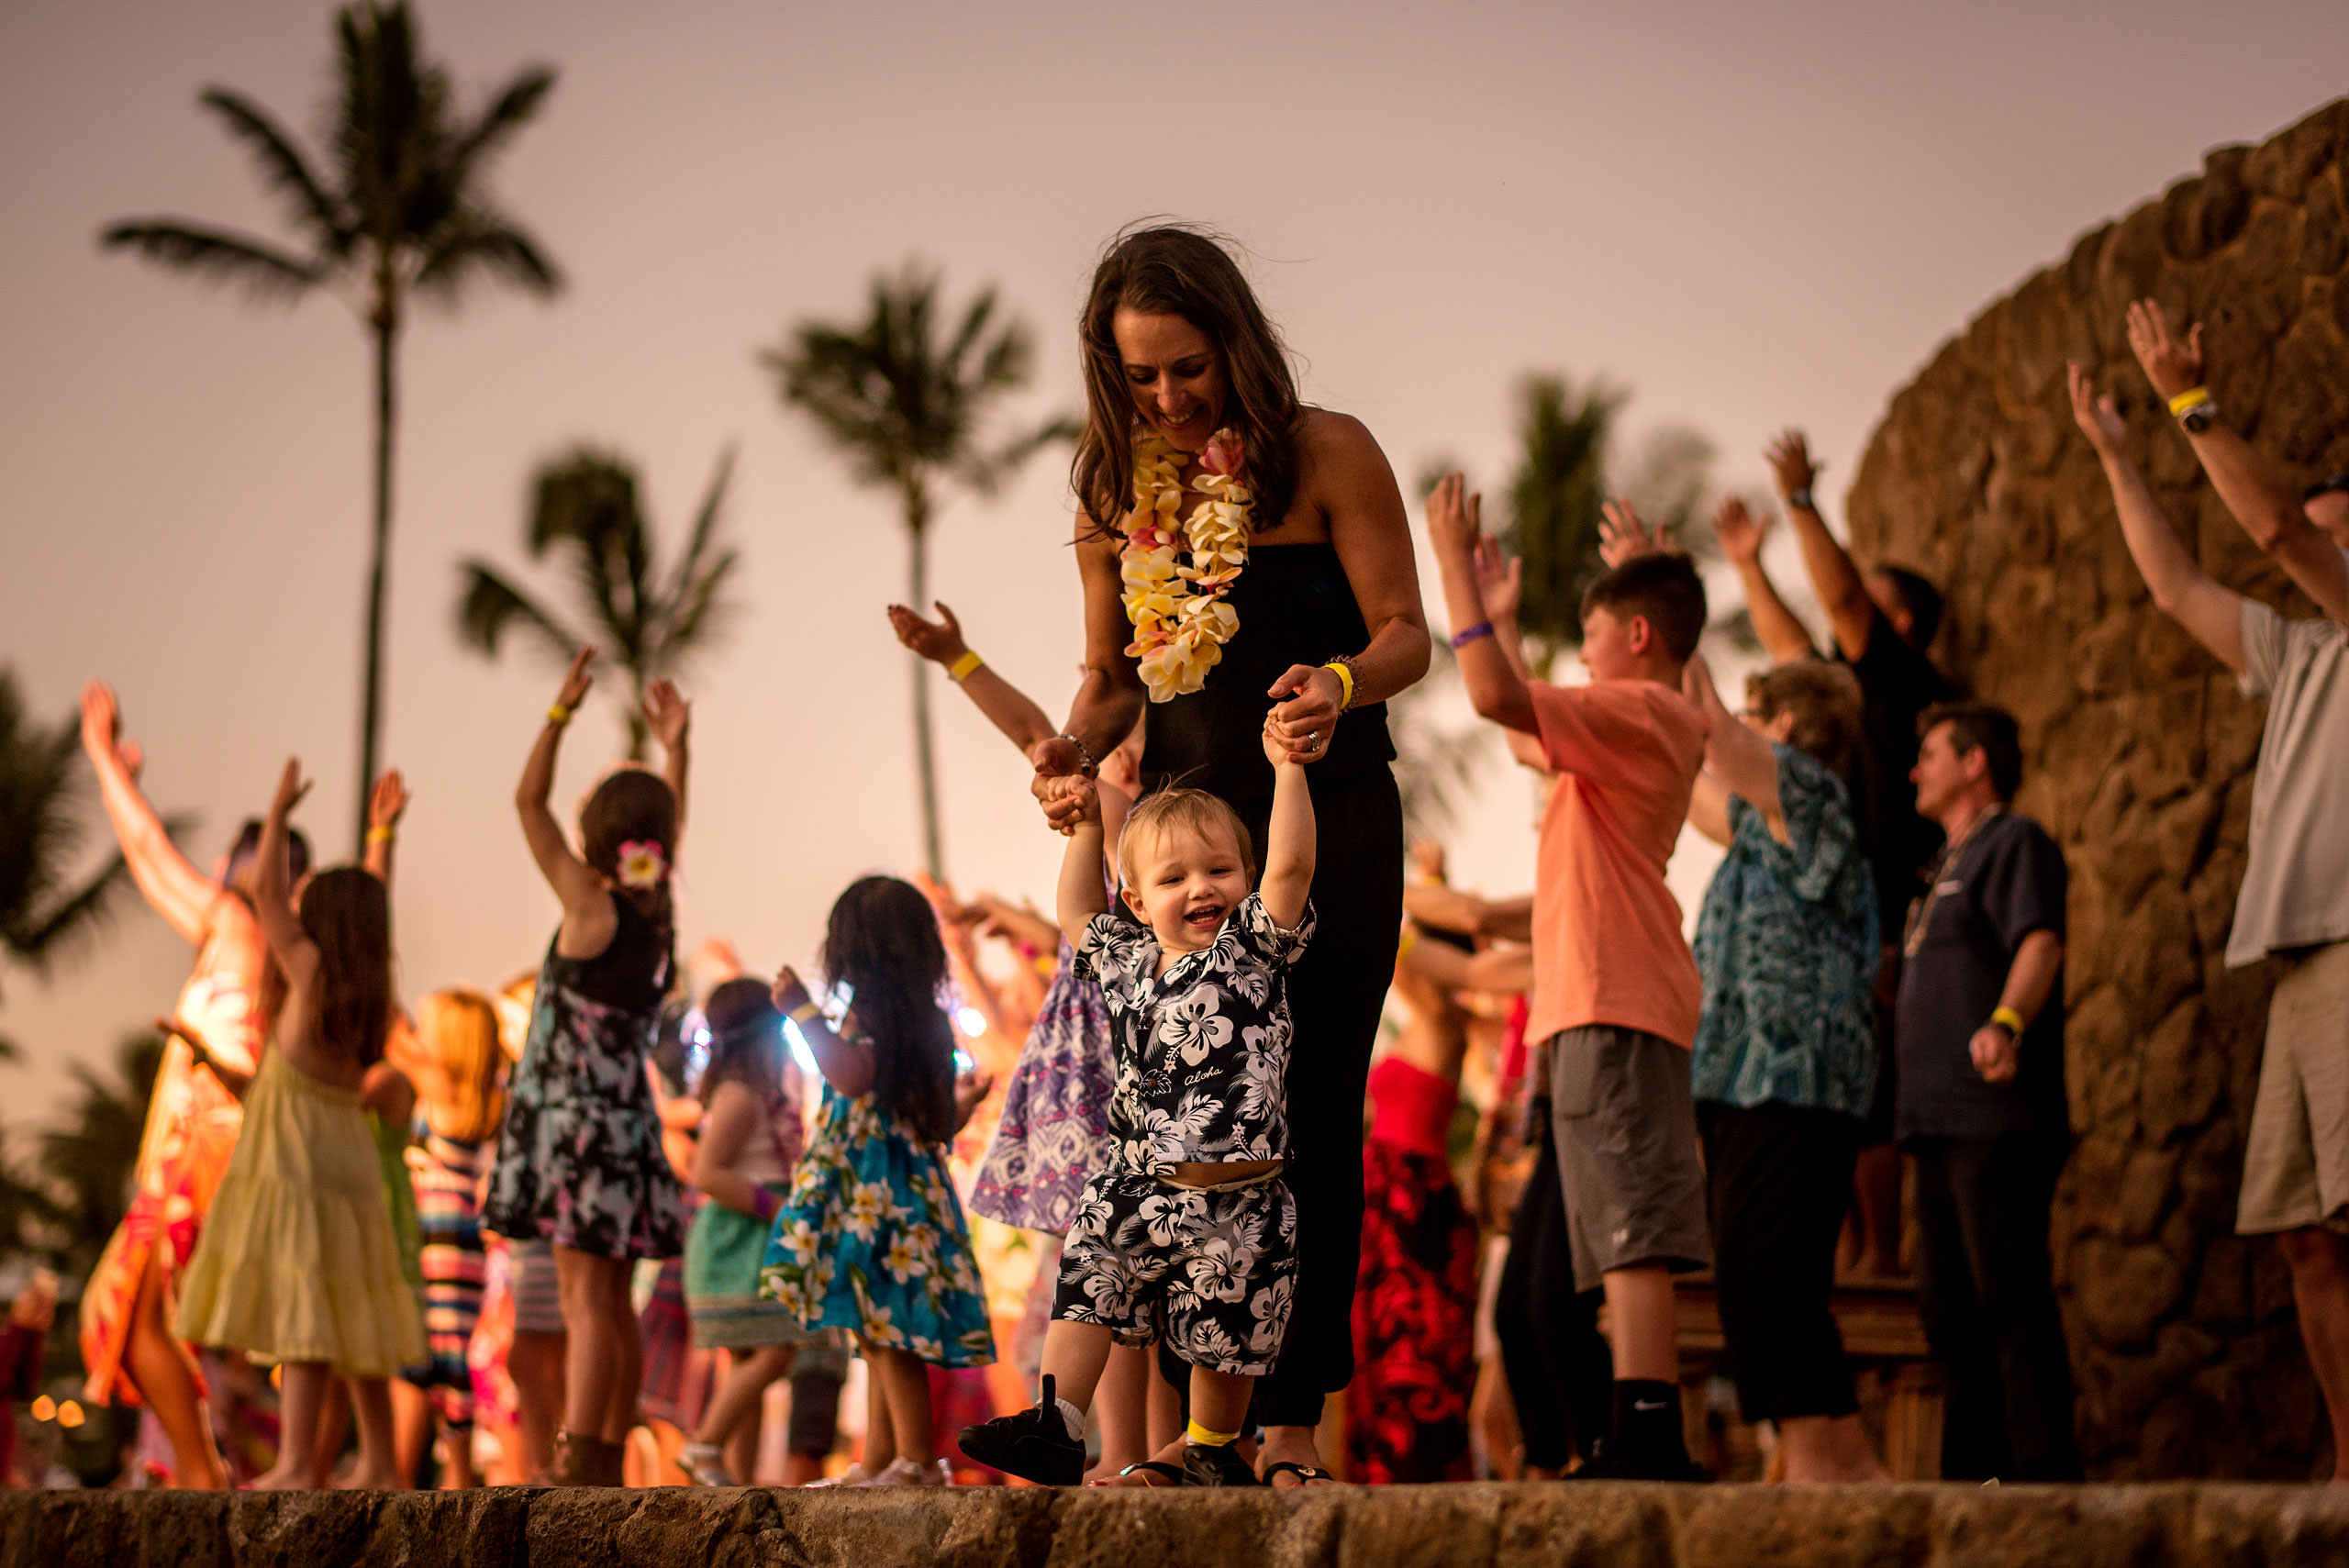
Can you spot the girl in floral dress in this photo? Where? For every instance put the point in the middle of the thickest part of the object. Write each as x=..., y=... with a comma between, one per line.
x=579, y=1156
x=871, y=1237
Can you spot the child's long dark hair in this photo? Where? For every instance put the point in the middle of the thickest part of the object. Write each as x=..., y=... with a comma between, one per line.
x=346, y=912
x=882, y=940
x=631, y=809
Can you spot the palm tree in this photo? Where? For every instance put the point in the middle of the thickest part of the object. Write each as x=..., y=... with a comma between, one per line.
x=905, y=404
x=87, y=1162
x=401, y=207
x=1553, y=500
x=584, y=503
x=42, y=909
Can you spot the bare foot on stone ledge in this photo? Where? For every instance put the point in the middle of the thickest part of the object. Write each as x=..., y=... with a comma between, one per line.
x=1290, y=1445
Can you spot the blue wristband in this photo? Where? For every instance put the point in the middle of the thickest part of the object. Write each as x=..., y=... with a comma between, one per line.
x=1463, y=638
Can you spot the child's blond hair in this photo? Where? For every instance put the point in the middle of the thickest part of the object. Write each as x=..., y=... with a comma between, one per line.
x=458, y=1030
x=1194, y=810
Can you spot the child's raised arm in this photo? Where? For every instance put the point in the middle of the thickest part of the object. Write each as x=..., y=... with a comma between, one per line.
x=1288, y=839
x=941, y=641
x=588, y=921
x=1081, y=895
x=385, y=803
x=846, y=1066
x=273, y=900
x=669, y=717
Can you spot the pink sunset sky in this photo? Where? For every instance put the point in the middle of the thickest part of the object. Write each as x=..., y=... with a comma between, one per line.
x=1750, y=216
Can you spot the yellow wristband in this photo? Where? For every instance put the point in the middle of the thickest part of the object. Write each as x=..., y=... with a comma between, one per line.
x=1410, y=940
x=805, y=1012
x=2010, y=1019
x=1206, y=1439
x=1345, y=683
x=2192, y=397
x=961, y=669
x=379, y=835
x=558, y=716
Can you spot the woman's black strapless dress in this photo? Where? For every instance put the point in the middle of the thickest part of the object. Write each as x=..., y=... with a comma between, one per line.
x=1295, y=607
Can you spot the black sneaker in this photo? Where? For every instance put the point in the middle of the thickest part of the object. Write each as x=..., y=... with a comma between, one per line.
x=1033, y=1445
x=1215, y=1466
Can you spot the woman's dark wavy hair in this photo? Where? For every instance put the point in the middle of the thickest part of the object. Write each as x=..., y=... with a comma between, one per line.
x=346, y=913
x=745, y=1039
x=1169, y=270
x=882, y=940
x=635, y=804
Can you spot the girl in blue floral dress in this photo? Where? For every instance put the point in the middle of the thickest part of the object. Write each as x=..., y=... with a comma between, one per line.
x=871, y=1237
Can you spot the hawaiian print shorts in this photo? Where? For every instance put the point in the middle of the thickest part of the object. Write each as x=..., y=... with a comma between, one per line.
x=1210, y=1271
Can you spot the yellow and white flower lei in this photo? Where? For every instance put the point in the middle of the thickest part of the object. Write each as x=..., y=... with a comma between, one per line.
x=1180, y=620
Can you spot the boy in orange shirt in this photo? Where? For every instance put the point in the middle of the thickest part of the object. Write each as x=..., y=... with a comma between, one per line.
x=1615, y=988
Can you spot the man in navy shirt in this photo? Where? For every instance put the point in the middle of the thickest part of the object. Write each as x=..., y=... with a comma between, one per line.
x=1981, y=1103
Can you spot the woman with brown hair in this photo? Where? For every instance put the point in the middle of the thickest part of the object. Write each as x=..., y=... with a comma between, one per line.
x=1243, y=550
x=230, y=1004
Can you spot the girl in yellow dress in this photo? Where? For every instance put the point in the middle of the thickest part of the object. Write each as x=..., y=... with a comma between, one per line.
x=298, y=1263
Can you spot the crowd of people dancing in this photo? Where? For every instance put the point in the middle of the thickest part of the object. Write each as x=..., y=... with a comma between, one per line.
x=599, y=1203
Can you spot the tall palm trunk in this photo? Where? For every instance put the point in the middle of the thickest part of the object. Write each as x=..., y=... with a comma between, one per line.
x=917, y=596
x=387, y=328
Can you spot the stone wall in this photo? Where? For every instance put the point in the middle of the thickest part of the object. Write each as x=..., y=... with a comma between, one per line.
x=1535, y=1525
x=2140, y=751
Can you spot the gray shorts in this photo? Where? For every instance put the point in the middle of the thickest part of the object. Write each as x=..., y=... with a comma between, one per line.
x=2296, y=1161
x=1626, y=1135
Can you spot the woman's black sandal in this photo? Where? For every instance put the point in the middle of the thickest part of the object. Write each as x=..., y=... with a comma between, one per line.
x=1304, y=1472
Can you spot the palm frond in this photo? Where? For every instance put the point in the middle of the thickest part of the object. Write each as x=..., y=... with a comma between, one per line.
x=284, y=170
x=517, y=103
x=476, y=242
x=265, y=271
x=491, y=606
x=49, y=933
x=987, y=473
x=699, y=615
x=705, y=528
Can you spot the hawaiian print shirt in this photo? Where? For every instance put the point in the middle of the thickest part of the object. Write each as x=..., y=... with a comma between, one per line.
x=1786, y=942
x=1201, y=1050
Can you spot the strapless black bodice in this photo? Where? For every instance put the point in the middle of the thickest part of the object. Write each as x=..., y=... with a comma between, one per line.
x=1294, y=607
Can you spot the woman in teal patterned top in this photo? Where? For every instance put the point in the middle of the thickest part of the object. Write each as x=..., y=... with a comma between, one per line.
x=1785, y=1060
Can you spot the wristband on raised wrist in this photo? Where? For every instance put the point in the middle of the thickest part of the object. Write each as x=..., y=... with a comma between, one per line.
x=1467, y=635
x=559, y=716
x=379, y=835
x=1800, y=499
x=2007, y=1020
x=960, y=671
x=2192, y=397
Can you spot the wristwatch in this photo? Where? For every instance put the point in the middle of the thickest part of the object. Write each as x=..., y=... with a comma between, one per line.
x=2198, y=418
x=1800, y=498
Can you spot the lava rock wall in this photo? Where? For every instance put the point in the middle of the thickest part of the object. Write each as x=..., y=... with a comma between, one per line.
x=2139, y=753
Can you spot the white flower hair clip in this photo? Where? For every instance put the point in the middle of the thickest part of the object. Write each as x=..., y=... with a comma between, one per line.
x=640, y=865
